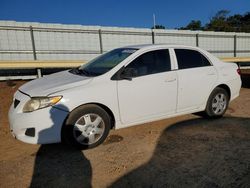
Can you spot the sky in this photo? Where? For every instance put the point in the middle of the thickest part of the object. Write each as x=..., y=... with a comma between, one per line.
x=127, y=13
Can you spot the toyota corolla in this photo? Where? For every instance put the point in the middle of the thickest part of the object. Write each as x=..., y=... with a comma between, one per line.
x=124, y=87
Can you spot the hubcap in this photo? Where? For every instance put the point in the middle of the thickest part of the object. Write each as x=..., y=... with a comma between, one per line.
x=88, y=129
x=219, y=103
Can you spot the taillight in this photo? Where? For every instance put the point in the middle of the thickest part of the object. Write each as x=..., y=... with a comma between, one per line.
x=238, y=71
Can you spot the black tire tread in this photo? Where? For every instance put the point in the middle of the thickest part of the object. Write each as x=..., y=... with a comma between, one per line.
x=67, y=130
x=208, y=113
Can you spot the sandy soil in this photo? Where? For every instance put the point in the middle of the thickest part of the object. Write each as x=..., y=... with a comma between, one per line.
x=179, y=152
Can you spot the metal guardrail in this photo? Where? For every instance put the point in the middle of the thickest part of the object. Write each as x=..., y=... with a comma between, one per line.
x=40, y=64
x=49, y=64
x=242, y=62
x=75, y=63
x=35, y=64
x=236, y=59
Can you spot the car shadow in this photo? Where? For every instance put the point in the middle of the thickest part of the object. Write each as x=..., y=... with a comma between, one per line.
x=197, y=153
x=59, y=165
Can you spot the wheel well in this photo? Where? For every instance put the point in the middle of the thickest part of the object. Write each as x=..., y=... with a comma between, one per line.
x=224, y=86
x=110, y=113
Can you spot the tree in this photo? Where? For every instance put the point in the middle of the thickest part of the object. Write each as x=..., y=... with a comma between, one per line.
x=193, y=25
x=219, y=22
x=158, y=27
x=221, y=15
x=222, y=21
x=235, y=22
x=245, y=22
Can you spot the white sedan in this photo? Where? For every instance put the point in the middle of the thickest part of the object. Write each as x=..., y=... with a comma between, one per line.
x=124, y=87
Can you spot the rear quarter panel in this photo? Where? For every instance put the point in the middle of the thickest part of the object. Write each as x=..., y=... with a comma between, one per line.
x=229, y=76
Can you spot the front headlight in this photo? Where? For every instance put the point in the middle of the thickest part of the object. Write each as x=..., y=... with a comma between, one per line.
x=36, y=103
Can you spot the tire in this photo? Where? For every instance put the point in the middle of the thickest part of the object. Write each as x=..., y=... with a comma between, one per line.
x=217, y=103
x=86, y=127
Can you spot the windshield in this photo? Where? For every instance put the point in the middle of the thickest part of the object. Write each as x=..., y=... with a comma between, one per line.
x=105, y=62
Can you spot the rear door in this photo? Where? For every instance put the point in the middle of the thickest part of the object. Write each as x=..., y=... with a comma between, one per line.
x=196, y=78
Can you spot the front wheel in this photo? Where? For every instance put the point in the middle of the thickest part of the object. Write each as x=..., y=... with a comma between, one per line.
x=86, y=127
x=217, y=103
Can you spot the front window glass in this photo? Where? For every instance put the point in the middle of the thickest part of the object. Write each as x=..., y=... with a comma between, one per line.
x=151, y=62
x=105, y=62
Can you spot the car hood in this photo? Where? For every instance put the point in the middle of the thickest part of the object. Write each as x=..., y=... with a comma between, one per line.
x=54, y=83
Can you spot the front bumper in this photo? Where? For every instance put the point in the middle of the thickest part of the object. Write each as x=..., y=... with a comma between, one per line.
x=45, y=123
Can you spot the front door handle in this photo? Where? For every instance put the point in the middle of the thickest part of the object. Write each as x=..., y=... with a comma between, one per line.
x=170, y=80
x=211, y=74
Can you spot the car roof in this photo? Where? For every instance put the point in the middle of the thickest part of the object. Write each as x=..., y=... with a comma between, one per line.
x=155, y=46
x=144, y=46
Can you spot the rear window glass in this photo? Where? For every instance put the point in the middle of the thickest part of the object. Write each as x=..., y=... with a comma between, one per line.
x=190, y=59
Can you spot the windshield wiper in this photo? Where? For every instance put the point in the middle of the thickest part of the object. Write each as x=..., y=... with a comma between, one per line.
x=79, y=71
x=84, y=72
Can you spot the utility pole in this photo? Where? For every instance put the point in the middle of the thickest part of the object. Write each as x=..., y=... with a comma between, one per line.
x=154, y=20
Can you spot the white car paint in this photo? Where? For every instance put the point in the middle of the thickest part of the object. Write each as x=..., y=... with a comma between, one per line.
x=144, y=99
x=203, y=75
x=142, y=92
x=54, y=83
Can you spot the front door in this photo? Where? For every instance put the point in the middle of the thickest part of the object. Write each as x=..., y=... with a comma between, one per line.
x=152, y=92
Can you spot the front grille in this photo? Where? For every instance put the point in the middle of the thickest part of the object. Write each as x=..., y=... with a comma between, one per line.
x=16, y=102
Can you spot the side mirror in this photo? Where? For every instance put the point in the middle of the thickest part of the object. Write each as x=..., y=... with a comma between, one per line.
x=128, y=73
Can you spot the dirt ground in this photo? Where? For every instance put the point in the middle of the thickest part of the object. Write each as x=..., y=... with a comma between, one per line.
x=186, y=151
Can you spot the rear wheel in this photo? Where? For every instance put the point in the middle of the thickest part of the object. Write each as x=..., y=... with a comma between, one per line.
x=86, y=127
x=217, y=103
